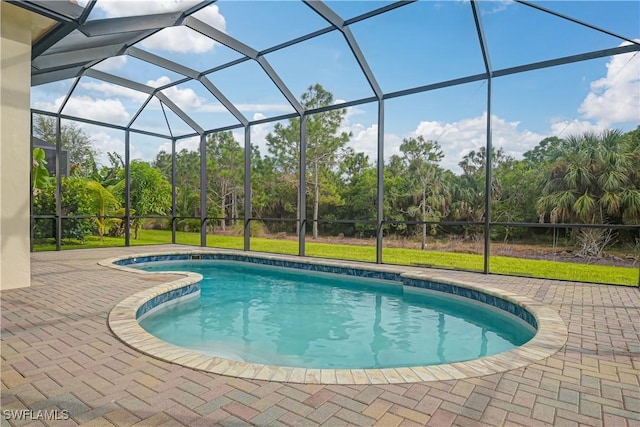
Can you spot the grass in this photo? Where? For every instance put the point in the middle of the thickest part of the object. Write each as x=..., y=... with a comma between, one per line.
x=402, y=256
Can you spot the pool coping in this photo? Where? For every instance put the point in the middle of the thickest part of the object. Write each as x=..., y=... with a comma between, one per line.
x=550, y=337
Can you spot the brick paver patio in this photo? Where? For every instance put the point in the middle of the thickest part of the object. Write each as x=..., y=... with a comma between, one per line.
x=59, y=355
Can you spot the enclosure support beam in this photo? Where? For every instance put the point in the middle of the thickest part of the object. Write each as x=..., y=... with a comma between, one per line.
x=127, y=190
x=302, y=186
x=489, y=146
x=247, y=188
x=203, y=190
x=58, y=184
x=380, y=182
x=174, y=195
x=68, y=96
x=488, y=186
x=179, y=112
x=32, y=221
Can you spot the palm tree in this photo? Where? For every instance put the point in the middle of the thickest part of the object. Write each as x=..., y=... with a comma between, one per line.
x=427, y=182
x=105, y=203
x=469, y=188
x=593, y=181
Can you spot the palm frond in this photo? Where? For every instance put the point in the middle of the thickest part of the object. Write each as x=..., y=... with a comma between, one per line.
x=584, y=207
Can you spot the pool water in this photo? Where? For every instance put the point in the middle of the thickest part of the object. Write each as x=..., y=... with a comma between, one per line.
x=278, y=316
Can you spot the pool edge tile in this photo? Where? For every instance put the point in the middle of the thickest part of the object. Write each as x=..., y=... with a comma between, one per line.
x=550, y=337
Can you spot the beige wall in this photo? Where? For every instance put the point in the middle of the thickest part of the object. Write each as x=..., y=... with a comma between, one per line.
x=15, y=84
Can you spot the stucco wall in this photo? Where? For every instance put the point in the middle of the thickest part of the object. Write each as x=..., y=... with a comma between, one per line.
x=15, y=83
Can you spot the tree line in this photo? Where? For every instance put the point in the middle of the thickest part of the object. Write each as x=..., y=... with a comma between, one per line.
x=591, y=178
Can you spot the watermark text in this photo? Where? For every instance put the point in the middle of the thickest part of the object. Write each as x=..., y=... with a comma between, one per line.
x=31, y=415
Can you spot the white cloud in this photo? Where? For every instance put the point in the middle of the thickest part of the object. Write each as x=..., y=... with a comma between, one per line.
x=500, y=5
x=259, y=133
x=258, y=137
x=352, y=112
x=105, y=143
x=190, y=144
x=364, y=137
x=186, y=99
x=109, y=89
x=185, y=40
x=118, y=8
x=615, y=98
x=113, y=63
x=48, y=106
x=101, y=110
x=248, y=108
x=160, y=81
x=263, y=108
x=173, y=39
x=457, y=139
x=563, y=129
x=211, y=15
x=180, y=40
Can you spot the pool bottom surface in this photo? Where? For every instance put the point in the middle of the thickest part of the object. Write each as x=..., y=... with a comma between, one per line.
x=268, y=316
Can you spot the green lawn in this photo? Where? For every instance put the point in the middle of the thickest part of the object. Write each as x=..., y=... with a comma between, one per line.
x=401, y=256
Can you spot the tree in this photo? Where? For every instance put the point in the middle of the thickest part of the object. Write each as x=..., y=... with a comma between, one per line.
x=104, y=203
x=469, y=188
x=225, y=172
x=358, y=186
x=520, y=187
x=547, y=150
x=593, y=181
x=426, y=181
x=81, y=154
x=149, y=192
x=521, y=181
x=74, y=203
x=187, y=185
x=108, y=175
x=323, y=147
x=273, y=188
x=323, y=144
x=397, y=197
x=631, y=198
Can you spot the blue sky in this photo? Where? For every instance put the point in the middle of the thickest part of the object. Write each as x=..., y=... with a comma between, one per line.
x=422, y=43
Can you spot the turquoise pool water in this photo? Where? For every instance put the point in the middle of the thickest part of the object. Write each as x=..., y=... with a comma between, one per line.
x=277, y=316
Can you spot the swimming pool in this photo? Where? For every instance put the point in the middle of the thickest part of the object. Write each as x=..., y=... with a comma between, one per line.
x=399, y=299
x=287, y=317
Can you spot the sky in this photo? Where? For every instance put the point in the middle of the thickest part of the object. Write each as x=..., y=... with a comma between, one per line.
x=420, y=44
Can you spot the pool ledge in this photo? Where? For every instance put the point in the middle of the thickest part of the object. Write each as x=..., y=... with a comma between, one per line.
x=551, y=333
